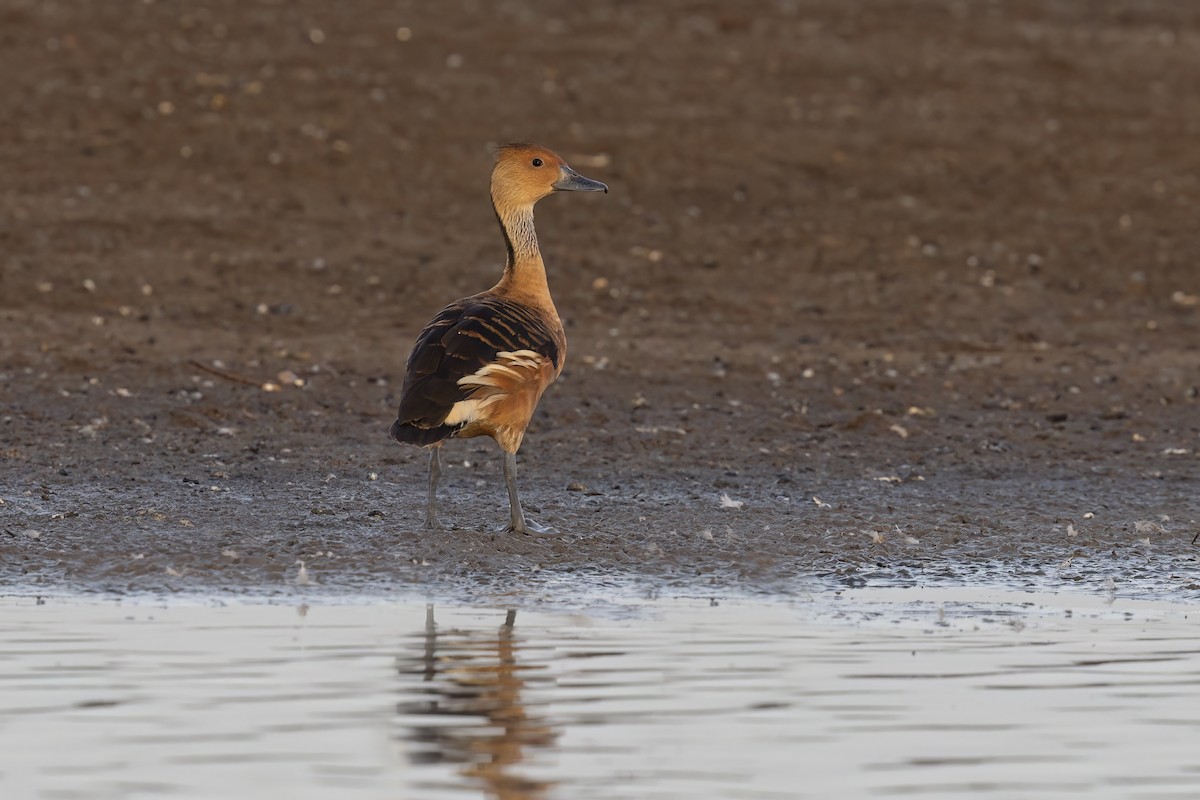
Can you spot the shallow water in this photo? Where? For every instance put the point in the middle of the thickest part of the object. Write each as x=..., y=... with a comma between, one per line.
x=862, y=693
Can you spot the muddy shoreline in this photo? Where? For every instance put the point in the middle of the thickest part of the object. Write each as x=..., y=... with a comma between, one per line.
x=248, y=538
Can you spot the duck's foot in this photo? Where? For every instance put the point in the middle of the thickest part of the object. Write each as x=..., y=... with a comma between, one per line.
x=530, y=528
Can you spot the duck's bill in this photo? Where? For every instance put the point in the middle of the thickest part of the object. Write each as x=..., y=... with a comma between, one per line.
x=572, y=181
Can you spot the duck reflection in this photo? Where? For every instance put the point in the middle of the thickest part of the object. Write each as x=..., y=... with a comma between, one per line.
x=475, y=673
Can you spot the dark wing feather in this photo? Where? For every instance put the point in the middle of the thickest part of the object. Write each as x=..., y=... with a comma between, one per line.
x=459, y=341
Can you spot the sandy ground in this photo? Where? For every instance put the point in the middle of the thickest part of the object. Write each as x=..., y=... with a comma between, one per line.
x=912, y=284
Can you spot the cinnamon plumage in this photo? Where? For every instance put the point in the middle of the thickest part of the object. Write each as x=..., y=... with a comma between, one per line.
x=481, y=365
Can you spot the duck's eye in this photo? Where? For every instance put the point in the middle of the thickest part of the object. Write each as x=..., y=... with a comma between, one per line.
x=537, y=162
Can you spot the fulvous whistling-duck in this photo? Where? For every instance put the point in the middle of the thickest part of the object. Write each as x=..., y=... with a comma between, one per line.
x=481, y=365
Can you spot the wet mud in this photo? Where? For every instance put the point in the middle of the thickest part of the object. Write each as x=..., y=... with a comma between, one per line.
x=881, y=294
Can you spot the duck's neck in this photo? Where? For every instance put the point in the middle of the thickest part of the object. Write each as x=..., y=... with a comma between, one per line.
x=524, y=272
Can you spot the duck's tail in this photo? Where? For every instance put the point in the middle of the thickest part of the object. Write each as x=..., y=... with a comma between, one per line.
x=408, y=433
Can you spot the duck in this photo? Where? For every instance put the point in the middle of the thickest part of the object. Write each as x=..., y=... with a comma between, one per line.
x=481, y=365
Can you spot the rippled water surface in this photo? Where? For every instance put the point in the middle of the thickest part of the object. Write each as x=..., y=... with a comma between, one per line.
x=860, y=694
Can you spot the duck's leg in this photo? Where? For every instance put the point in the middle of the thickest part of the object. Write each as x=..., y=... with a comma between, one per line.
x=435, y=472
x=519, y=524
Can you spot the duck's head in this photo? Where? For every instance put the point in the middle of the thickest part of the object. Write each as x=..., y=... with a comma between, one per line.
x=526, y=173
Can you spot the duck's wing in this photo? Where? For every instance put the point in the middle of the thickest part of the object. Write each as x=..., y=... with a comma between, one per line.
x=473, y=344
